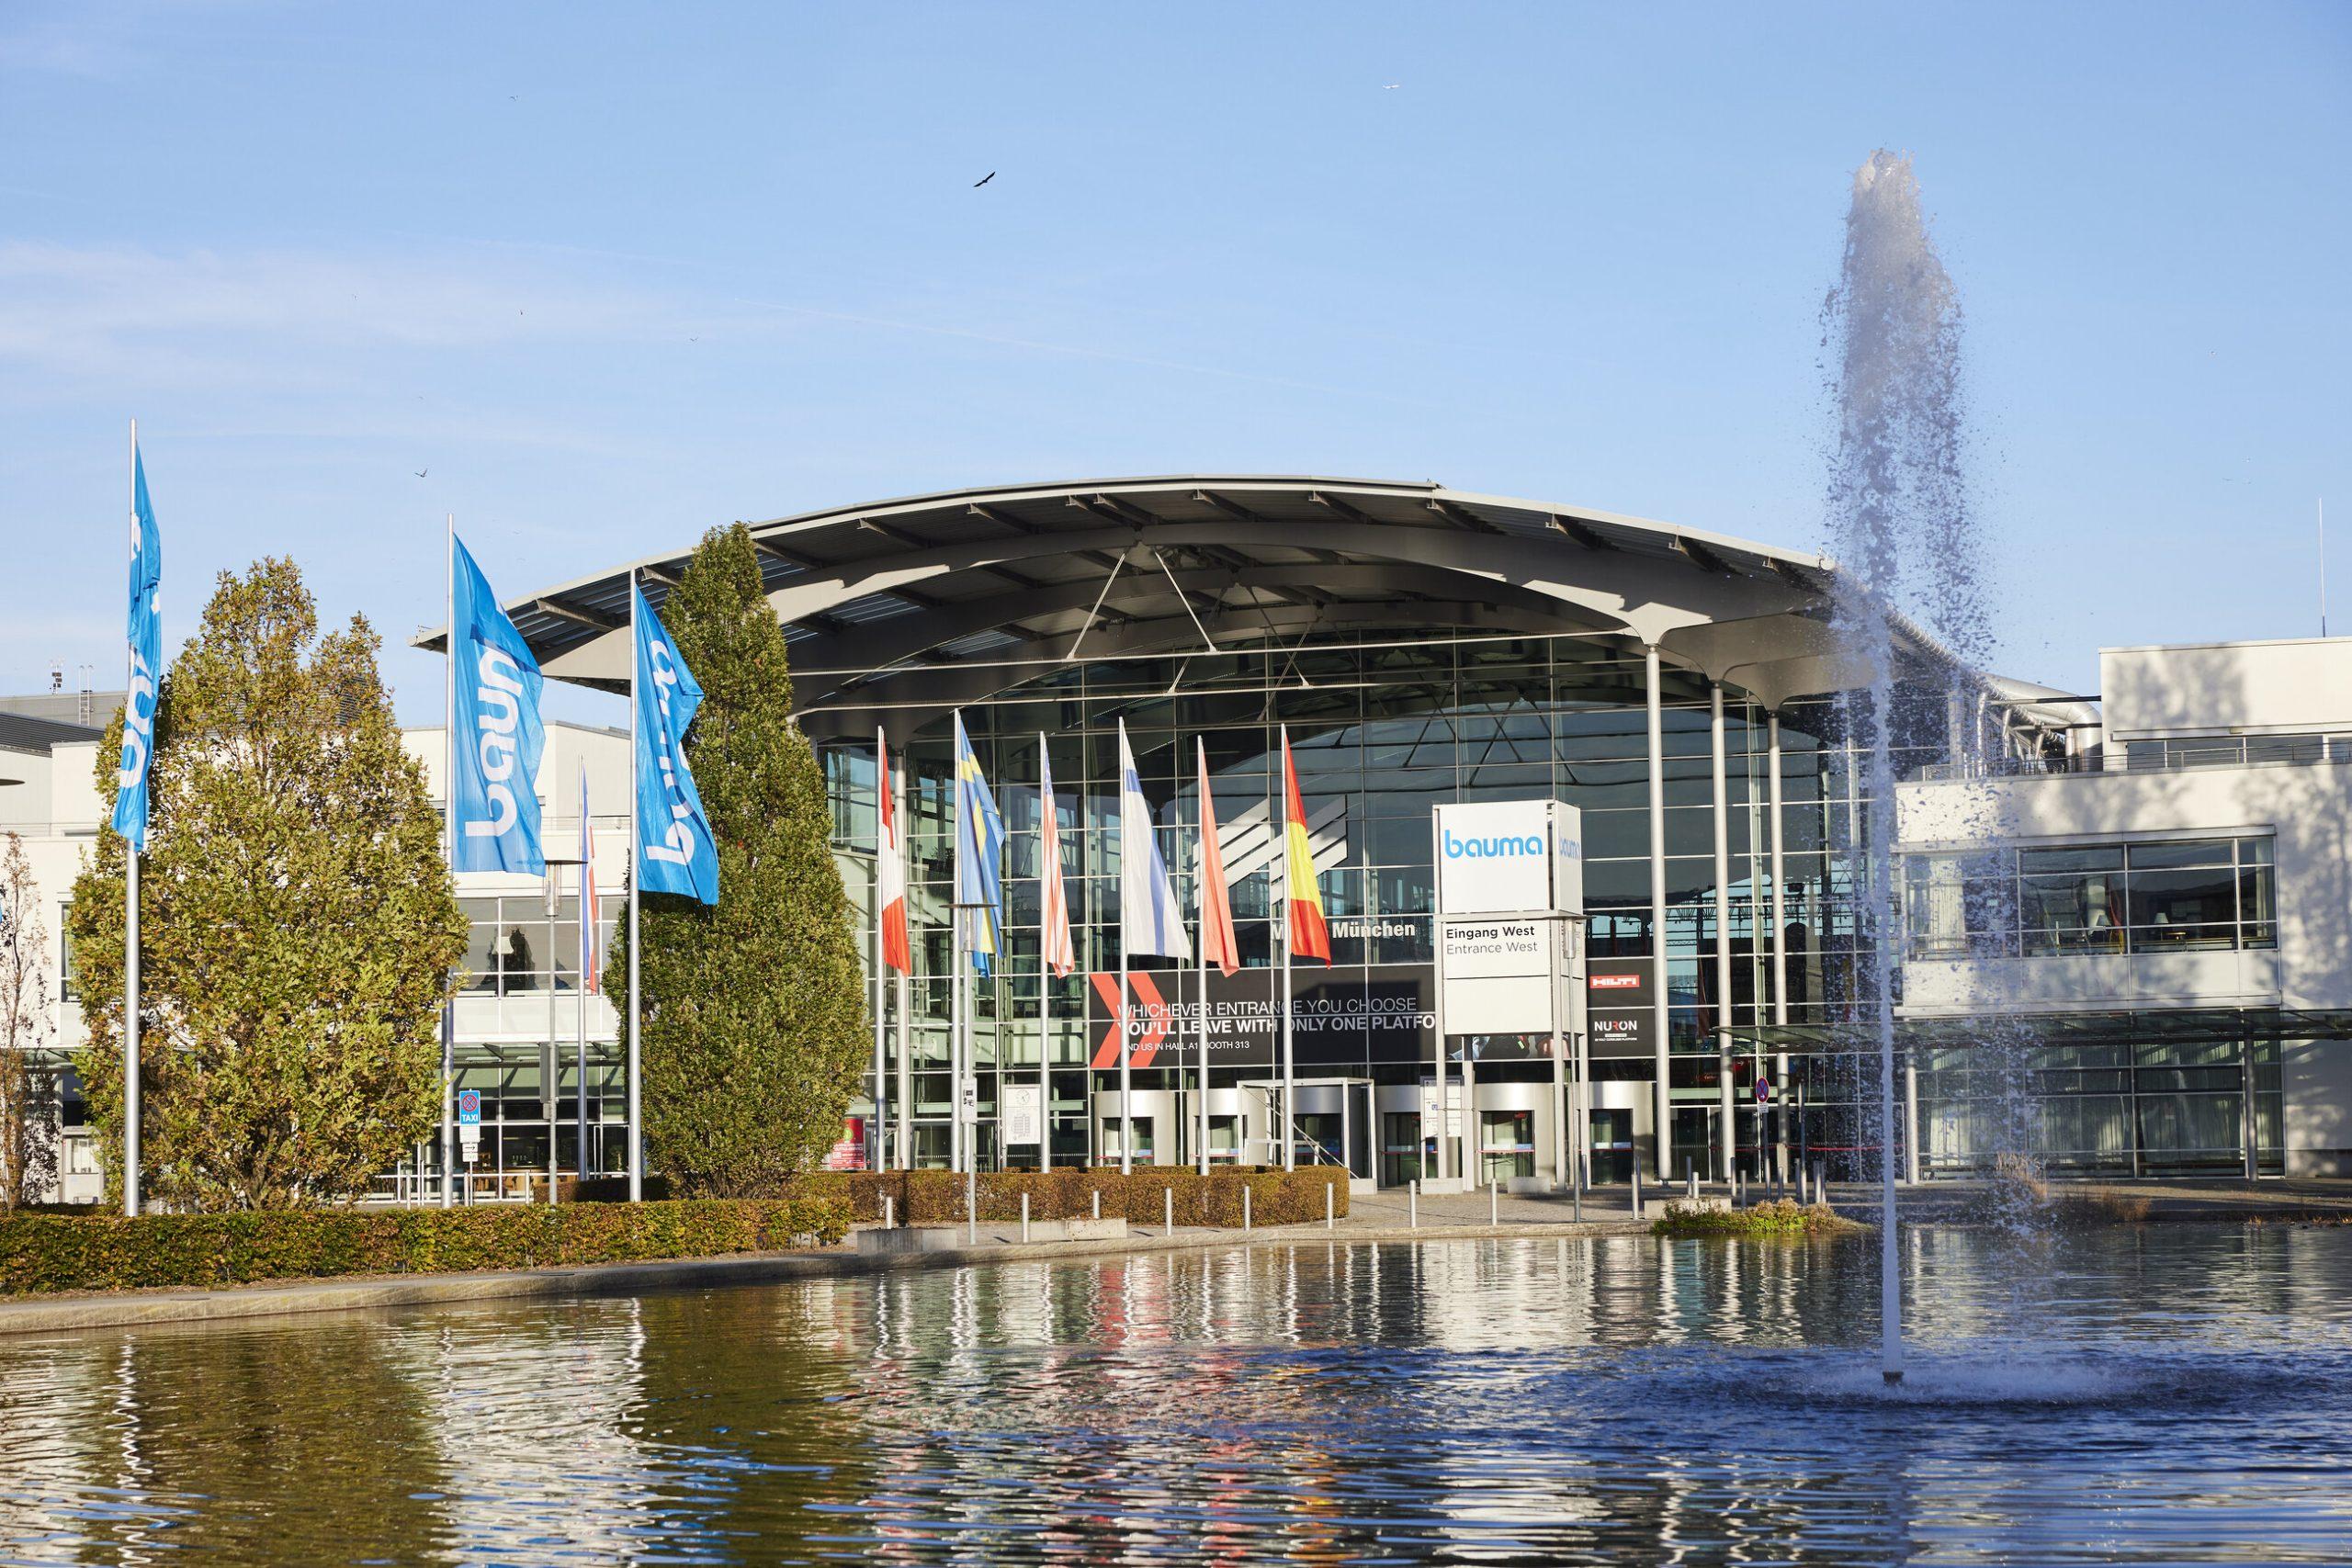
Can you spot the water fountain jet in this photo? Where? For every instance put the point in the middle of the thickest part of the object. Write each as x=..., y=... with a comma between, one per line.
x=1901, y=529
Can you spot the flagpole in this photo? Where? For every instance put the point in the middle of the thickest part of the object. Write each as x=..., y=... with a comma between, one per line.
x=955, y=1020
x=636, y=828
x=906, y=1095
x=956, y=1000
x=1202, y=1001
x=449, y=849
x=1289, y=1151
x=878, y=1137
x=130, y=909
x=1044, y=974
x=1127, y=1116
x=587, y=956
x=590, y=924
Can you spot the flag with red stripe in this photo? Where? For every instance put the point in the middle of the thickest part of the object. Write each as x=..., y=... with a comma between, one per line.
x=1216, y=907
x=891, y=867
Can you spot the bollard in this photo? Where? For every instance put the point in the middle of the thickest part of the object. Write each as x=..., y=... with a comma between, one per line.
x=1494, y=1205
x=890, y=1212
x=1820, y=1181
x=1579, y=1202
x=1326, y=1205
x=1167, y=1210
x=1413, y=1205
x=1098, y=1202
x=1690, y=1180
x=1637, y=1187
x=1245, y=1208
x=1024, y=1219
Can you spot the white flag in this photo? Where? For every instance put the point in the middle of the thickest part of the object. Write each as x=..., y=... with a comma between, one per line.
x=1150, y=920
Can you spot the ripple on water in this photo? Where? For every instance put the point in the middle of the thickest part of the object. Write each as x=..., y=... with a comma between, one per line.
x=2168, y=1397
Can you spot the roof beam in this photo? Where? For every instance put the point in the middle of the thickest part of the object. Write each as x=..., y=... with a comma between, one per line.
x=1460, y=518
x=1796, y=576
x=1578, y=531
x=1028, y=530
x=1699, y=555
x=579, y=616
x=1241, y=513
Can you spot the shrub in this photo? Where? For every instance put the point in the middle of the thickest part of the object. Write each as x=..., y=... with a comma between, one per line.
x=936, y=1197
x=50, y=1253
x=1783, y=1217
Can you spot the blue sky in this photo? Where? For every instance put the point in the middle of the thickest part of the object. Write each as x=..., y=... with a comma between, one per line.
x=609, y=274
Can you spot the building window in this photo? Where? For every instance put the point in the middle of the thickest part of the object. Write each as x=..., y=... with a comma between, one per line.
x=67, y=990
x=2169, y=897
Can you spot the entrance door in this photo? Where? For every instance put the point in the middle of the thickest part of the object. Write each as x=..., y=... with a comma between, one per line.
x=1612, y=1148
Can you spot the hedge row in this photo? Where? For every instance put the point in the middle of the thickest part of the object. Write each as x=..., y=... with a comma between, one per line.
x=48, y=1253
x=936, y=1197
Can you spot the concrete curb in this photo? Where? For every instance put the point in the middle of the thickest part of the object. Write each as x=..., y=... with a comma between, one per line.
x=65, y=1314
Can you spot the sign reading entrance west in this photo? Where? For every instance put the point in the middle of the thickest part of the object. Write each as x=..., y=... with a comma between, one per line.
x=1341, y=1016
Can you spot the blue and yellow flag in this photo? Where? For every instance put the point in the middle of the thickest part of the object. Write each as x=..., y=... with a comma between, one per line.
x=979, y=856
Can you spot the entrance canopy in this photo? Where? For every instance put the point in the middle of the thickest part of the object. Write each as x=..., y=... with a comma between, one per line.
x=900, y=610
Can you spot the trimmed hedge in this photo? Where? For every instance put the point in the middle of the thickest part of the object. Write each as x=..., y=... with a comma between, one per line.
x=936, y=1197
x=48, y=1253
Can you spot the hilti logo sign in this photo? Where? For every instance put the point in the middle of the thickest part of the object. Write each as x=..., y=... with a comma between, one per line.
x=1616, y=982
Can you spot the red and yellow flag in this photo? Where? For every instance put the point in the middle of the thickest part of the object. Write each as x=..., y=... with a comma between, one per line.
x=1309, y=937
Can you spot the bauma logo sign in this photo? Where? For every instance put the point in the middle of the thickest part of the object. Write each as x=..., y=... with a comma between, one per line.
x=1494, y=846
x=1500, y=857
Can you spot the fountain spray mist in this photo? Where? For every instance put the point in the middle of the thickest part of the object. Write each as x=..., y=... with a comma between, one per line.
x=1902, y=531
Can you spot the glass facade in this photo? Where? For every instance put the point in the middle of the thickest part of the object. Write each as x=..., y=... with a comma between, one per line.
x=1382, y=732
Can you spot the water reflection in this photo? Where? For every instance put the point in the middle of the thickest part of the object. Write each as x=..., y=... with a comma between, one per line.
x=2169, y=1394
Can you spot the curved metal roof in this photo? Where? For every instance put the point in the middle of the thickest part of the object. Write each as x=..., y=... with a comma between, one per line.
x=981, y=588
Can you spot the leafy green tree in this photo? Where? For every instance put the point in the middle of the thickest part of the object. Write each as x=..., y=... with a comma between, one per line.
x=298, y=931
x=27, y=1034
x=754, y=1027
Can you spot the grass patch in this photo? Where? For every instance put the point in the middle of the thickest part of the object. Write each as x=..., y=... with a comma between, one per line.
x=1784, y=1218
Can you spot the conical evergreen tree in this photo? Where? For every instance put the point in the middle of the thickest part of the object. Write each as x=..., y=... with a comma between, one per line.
x=297, y=928
x=755, y=1028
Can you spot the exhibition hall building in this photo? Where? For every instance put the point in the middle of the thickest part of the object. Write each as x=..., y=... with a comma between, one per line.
x=2122, y=929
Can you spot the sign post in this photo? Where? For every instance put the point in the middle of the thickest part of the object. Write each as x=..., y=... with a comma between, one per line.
x=470, y=1132
x=1509, y=903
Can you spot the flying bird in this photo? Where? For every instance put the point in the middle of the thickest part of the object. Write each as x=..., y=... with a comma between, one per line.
x=983, y=180
x=422, y=472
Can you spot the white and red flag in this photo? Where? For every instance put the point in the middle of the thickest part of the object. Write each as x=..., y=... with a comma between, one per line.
x=1060, y=954
x=891, y=867
x=1216, y=905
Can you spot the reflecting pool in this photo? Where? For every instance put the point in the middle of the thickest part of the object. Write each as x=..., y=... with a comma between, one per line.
x=2167, y=1393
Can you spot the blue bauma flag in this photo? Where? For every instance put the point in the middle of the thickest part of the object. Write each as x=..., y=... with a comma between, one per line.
x=145, y=631
x=680, y=855
x=979, y=856
x=496, y=735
